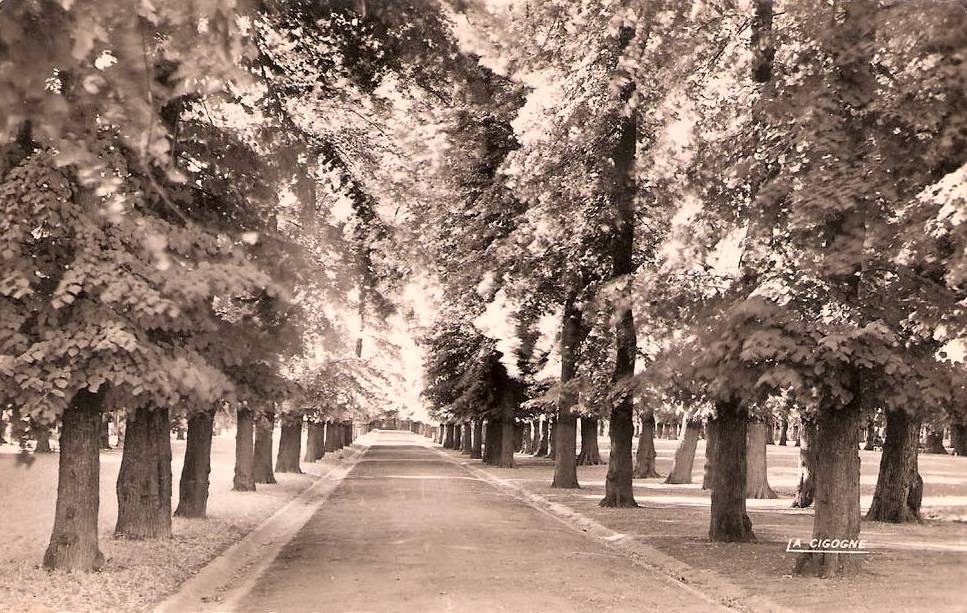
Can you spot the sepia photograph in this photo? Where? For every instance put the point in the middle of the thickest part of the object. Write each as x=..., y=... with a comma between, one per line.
x=465, y=306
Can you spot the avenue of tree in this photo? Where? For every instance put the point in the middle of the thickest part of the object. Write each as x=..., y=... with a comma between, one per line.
x=728, y=218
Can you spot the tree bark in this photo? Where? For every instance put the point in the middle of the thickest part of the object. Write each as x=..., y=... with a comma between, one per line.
x=262, y=463
x=565, y=424
x=783, y=430
x=315, y=441
x=544, y=442
x=244, y=451
x=494, y=442
x=41, y=434
x=869, y=436
x=645, y=458
x=448, y=436
x=144, y=481
x=466, y=445
x=685, y=453
x=193, y=486
x=711, y=439
x=105, y=442
x=334, y=431
x=290, y=445
x=508, y=430
x=73, y=541
x=757, y=474
x=935, y=441
x=958, y=438
x=837, y=488
x=476, y=451
x=806, y=491
x=590, y=454
x=729, y=520
x=899, y=487
x=329, y=437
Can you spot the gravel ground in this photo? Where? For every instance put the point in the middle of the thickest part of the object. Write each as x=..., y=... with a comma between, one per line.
x=137, y=574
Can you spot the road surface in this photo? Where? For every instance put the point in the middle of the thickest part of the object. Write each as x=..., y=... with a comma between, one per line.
x=411, y=530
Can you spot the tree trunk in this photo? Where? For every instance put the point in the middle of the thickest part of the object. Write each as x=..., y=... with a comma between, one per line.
x=494, y=441
x=262, y=464
x=105, y=442
x=770, y=431
x=935, y=441
x=330, y=444
x=573, y=334
x=544, y=442
x=806, y=490
x=476, y=452
x=729, y=521
x=42, y=436
x=645, y=458
x=958, y=438
x=590, y=455
x=551, y=439
x=448, y=436
x=837, y=487
x=685, y=454
x=869, y=444
x=73, y=541
x=711, y=439
x=757, y=474
x=144, y=481
x=290, y=445
x=313, y=442
x=783, y=430
x=334, y=432
x=899, y=487
x=508, y=430
x=466, y=445
x=193, y=486
x=244, y=451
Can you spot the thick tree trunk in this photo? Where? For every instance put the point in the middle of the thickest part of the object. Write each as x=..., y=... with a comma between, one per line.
x=193, y=486
x=290, y=445
x=729, y=520
x=144, y=481
x=685, y=454
x=335, y=433
x=476, y=451
x=315, y=441
x=466, y=445
x=958, y=438
x=41, y=434
x=783, y=430
x=330, y=444
x=493, y=442
x=244, y=451
x=757, y=474
x=899, y=487
x=262, y=464
x=935, y=441
x=711, y=438
x=448, y=436
x=837, y=488
x=806, y=490
x=645, y=458
x=545, y=434
x=870, y=443
x=73, y=541
x=590, y=455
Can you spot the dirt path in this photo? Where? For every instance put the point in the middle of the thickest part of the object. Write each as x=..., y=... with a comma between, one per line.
x=409, y=530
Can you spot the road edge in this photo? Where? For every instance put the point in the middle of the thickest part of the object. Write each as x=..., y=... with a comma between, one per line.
x=220, y=585
x=708, y=585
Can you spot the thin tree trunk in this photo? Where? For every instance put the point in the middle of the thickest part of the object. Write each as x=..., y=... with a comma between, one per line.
x=590, y=455
x=466, y=444
x=244, y=451
x=194, y=484
x=685, y=454
x=544, y=442
x=645, y=458
x=476, y=452
x=262, y=463
x=837, y=488
x=870, y=443
x=41, y=434
x=806, y=491
x=783, y=430
x=711, y=439
x=73, y=541
x=757, y=474
x=551, y=439
x=899, y=487
x=144, y=481
x=105, y=442
x=290, y=445
x=508, y=429
x=729, y=520
x=565, y=425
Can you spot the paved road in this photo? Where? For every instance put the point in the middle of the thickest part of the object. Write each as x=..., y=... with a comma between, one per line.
x=411, y=530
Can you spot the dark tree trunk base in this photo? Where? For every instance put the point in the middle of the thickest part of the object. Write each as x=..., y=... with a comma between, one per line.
x=193, y=487
x=290, y=446
x=681, y=472
x=262, y=463
x=590, y=454
x=729, y=521
x=806, y=490
x=244, y=452
x=144, y=481
x=73, y=541
x=899, y=487
x=565, y=460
